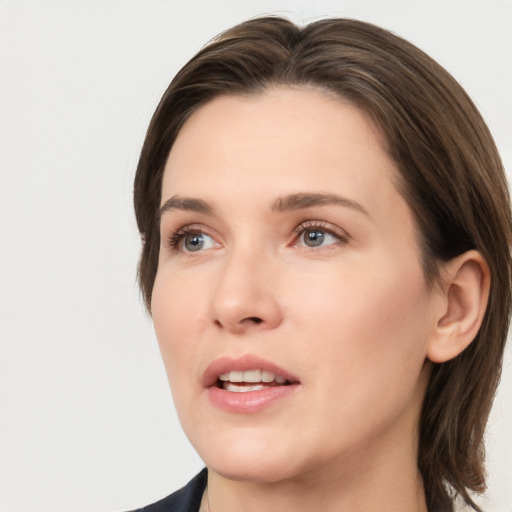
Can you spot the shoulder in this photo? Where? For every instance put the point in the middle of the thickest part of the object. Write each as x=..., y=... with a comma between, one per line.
x=186, y=499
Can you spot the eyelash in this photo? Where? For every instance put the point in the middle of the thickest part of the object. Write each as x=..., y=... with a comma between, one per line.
x=338, y=233
x=176, y=237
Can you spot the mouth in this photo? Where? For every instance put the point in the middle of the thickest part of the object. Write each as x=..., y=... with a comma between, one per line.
x=241, y=373
x=247, y=384
x=238, y=381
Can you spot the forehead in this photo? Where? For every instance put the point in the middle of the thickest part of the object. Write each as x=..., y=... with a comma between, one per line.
x=273, y=133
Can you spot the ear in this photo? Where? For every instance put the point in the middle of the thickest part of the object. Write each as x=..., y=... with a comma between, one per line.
x=464, y=288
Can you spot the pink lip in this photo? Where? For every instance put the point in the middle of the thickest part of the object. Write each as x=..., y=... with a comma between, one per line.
x=251, y=401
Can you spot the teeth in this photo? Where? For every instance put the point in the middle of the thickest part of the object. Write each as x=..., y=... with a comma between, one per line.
x=237, y=388
x=252, y=376
x=236, y=376
x=267, y=376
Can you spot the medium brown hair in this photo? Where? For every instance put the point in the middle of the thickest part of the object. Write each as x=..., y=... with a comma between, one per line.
x=450, y=174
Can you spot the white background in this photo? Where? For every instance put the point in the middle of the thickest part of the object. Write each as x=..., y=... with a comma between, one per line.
x=86, y=418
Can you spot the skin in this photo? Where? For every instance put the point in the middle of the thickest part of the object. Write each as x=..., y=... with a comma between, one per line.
x=352, y=318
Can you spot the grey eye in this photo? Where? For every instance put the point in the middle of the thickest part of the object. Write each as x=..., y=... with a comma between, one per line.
x=313, y=237
x=316, y=237
x=194, y=242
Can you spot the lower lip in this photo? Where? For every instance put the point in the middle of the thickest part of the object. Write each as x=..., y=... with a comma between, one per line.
x=250, y=401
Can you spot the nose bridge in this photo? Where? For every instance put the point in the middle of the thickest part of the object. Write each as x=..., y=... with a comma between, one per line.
x=244, y=296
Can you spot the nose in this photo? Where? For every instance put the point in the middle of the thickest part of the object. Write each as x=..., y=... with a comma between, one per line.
x=244, y=298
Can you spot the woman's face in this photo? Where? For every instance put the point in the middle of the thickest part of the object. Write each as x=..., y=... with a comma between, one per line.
x=287, y=253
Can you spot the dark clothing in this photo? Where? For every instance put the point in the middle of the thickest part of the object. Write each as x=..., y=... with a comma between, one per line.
x=187, y=499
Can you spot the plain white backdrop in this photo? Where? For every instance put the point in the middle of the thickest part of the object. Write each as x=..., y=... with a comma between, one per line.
x=86, y=417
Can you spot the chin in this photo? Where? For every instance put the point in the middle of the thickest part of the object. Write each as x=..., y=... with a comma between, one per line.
x=261, y=472
x=248, y=459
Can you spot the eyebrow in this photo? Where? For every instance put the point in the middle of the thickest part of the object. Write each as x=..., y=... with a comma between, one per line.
x=305, y=200
x=186, y=204
x=282, y=204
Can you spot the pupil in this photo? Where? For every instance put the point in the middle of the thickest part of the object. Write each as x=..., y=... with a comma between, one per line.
x=314, y=238
x=194, y=242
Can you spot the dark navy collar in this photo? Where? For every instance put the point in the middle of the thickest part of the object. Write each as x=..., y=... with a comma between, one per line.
x=186, y=499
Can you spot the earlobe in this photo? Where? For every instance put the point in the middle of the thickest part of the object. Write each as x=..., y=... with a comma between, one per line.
x=465, y=292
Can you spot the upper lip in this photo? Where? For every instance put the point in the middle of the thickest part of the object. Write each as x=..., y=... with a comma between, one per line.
x=227, y=364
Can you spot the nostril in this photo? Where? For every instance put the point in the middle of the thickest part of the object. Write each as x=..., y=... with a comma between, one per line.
x=240, y=324
x=254, y=319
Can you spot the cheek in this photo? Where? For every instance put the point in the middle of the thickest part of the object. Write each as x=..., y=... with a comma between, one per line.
x=376, y=349
x=178, y=314
x=371, y=323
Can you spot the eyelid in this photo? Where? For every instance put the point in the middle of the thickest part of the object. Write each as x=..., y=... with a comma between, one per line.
x=332, y=229
x=175, y=237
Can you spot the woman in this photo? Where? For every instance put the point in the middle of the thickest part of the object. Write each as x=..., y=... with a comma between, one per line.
x=326, y=257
